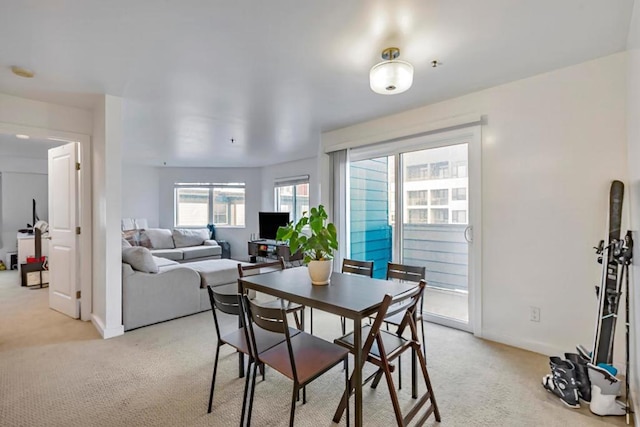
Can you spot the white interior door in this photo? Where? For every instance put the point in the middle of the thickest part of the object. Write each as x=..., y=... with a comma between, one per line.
x=63, y=216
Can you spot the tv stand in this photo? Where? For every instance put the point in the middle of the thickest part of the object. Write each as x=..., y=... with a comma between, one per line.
x=271, y=249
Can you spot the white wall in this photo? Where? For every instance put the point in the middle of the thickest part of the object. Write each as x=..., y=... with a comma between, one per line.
x=290, y=169
x=140, y=193
x=551, y=145
x=21, y=111
x=633, y=129
x=107, y=253
x=236, y=236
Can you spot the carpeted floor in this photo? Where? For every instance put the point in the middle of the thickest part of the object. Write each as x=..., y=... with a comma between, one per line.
x=55, y=371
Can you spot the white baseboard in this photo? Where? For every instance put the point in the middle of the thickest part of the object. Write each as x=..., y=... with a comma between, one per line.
x=542, y=348
x=106, y=333
x=535, y=346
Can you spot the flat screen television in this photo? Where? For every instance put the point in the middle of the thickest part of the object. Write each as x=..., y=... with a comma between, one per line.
x=269, y=222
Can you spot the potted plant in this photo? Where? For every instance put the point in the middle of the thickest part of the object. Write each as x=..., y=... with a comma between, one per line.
x=317, y=241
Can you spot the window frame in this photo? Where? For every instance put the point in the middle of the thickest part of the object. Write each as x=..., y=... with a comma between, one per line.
x=212, y=188
x=290, y=182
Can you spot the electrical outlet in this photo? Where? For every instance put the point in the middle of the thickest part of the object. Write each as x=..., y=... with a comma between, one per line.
x=535, y=314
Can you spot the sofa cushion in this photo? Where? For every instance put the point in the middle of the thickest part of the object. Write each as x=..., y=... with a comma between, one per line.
x=216, y=272
x=140, y=259
x=163, y=262
x=160, y=238
x=173, y=254
x=125, y=243
x=184, y=237
x=200, y=252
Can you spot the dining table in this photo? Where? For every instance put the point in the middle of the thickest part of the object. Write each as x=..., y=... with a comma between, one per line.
x=354, y=297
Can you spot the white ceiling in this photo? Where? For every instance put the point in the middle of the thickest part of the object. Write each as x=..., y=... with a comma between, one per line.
x=275, y=74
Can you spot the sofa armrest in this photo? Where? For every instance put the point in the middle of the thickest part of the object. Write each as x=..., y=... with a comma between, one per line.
x=150, y=298
x=210, y=243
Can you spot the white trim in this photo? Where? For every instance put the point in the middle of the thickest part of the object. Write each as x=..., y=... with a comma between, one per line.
x=446, y=321
x=475, y=220
x=106, y=333
x=291, y=180
x=85, y=207
x=418, y=130
x=535, y=346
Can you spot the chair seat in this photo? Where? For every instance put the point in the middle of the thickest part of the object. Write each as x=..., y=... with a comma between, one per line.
x=390, y=340
x=313, y=356
x=264, y=339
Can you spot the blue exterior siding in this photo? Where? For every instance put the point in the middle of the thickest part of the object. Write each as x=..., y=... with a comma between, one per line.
x=371, y=234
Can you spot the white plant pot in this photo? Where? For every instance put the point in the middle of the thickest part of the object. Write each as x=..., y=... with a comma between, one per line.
x=320, y=271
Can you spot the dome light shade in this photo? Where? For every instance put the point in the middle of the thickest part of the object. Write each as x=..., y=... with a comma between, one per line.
x=391, y=76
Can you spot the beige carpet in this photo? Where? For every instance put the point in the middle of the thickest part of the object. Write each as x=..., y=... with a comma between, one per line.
x=55, y=371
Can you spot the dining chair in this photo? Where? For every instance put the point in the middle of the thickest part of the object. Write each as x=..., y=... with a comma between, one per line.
x=302, y=357
x=266, y=267
x=230, y=304
x=382, y=347
x=352, y=266
x=406, y=273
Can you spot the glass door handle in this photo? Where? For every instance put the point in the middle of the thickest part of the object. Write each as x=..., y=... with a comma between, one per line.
x=468, y=234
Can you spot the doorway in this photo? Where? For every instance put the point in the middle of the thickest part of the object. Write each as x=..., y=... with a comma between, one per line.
x=55, y=138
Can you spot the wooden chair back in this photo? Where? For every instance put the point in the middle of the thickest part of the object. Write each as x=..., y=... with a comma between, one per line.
x=261, y=268
x=390, y=306
x=269, y=319
x=363, y=268
x=226, y=303
x=406, y=273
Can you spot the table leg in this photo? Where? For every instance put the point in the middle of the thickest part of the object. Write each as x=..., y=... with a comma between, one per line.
x=414, y=368
x=357, y=369
x=240, y=325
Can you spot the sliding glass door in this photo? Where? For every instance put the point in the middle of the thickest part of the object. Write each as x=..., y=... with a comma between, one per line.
x=410, y=203
x=435, y=186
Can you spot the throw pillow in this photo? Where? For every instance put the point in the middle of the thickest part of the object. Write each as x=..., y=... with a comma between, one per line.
x=160, y=238
x=143, y=240
x=140, y=259
x=125, y=243
x=184, y=237
x=131, y=236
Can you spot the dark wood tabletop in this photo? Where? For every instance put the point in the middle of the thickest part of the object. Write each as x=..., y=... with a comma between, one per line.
x=347, y=295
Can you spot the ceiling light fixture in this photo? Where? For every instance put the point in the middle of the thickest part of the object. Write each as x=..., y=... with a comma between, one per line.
x=22, y=72
x=391, y=76
x=22, y=136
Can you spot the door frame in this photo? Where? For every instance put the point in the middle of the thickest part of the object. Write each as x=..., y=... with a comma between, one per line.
x=472, y=135
x=85, y=213
x=434, y=139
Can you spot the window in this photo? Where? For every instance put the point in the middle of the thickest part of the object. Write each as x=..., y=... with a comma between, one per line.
x=440, y=197
x=292, y=195
x=197, y=205
x=417, y=172
x=459, y=170
x=458, y=194
x=418, y=197
x=418, y=216
x=459, y=217
x=440, y=170
x=439, y=216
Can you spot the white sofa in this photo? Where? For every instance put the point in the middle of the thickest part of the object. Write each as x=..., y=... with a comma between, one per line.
x=180, y=244
x=176, y=290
